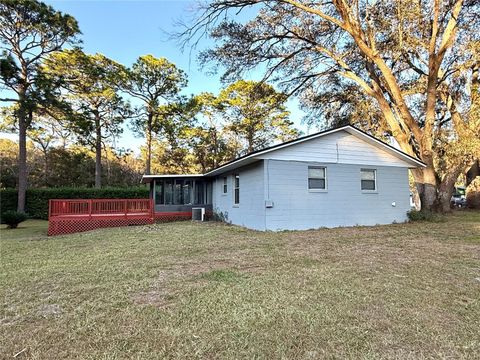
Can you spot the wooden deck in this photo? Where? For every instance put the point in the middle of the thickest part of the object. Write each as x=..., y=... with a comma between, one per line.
x=68, y=216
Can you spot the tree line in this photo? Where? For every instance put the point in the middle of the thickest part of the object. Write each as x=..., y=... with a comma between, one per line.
x=393, y=68
x=72, y=106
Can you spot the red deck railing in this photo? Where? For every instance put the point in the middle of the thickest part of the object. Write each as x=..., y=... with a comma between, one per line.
x=67, y=216
x=94, y=207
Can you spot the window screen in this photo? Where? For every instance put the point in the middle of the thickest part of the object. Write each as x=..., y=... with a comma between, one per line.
x=225, y=185
x=369, y=179
x=237, y=190
x=317, y=179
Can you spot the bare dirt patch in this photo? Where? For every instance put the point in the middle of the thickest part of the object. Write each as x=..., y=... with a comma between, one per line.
x=49, y=310
x=165, y=288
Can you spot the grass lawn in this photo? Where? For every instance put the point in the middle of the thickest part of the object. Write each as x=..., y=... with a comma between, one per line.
x=187, y=290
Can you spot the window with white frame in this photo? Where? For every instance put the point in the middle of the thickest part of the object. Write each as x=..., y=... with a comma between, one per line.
x=317, y=178
x=225, y=185
x=236, y=189
x=368, y=179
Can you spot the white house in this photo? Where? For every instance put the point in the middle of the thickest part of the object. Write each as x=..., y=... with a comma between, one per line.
x=339, y=177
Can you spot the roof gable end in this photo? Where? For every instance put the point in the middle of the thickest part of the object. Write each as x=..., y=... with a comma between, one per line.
x=345, y=144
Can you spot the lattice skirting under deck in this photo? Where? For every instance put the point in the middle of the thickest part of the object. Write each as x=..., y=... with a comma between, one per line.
x=62, y=226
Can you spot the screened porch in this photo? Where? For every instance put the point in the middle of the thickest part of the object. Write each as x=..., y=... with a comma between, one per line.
x=174, y=194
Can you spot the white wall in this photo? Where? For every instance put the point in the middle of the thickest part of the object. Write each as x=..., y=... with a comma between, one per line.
x=281, y=177
x=251, y=210
x=339, y=147
x=342, y=204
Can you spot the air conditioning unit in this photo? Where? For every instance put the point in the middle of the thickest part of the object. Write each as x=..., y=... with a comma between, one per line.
x=198, y=214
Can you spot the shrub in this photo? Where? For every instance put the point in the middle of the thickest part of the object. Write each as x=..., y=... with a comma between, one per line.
x=36, y=205
x=13, y=218
x=8, y=200
x=423, y=215
x=219, y=216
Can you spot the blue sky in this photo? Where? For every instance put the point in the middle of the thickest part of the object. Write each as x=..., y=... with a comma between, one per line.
x=123, y=30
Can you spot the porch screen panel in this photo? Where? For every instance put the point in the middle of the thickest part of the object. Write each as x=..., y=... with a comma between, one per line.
x=168, y=189
x=178, y=192
x=209, y=192
x=187, y=192
x=159, y=190
x=199, y=192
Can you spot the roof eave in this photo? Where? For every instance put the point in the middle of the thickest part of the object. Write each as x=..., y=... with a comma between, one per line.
x=404, y=156
x=148, y=178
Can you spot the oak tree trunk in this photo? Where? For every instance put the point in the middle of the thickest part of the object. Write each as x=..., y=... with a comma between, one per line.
x=473, y=172
x=445, y=191
x=426, y=184
x=447, y=185
x=435, y=195
x=473, y=196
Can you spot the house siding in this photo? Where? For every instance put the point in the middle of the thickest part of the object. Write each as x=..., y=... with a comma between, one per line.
x=340, y=147
x=274, y=192
x=342, y=204
x=251, y=210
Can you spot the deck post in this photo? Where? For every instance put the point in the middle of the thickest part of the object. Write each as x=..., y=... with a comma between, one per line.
x=126, y=208
x=90, y=205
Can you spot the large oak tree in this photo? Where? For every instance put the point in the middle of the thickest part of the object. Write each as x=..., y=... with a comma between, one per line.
x=414, y=63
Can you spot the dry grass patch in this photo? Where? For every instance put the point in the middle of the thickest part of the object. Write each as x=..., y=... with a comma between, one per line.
x=186, y=290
